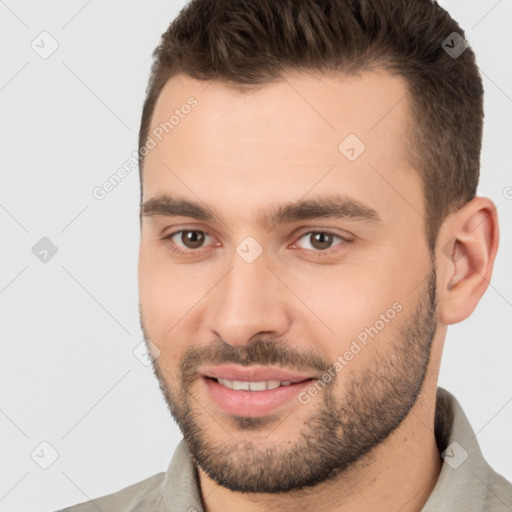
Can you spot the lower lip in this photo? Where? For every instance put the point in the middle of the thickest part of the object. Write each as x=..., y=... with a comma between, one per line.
x=252, y=403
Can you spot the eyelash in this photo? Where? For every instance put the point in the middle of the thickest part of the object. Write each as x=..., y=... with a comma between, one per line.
x=186, y=252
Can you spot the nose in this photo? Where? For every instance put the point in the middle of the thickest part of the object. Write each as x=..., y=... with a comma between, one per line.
x=249, y=301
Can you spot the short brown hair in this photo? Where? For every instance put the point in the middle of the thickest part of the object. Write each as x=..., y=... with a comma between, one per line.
x=249, y=42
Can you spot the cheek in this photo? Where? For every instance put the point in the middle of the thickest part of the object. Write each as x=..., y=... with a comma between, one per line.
x=155, y=291
x=343, y=296
x=168, y=293
x=159, y=303
x=345, y=303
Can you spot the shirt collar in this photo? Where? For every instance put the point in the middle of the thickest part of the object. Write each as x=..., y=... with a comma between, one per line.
x=462, y=485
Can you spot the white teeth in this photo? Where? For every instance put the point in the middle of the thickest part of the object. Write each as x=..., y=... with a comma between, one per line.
x=273, y=384
x=239, y=385
x=253, y=386
x=225, y=382
x=257, y=386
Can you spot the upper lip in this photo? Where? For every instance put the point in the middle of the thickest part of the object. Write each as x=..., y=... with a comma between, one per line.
x=252, y=374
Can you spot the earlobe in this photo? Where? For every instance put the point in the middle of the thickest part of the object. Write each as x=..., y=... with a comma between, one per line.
x=467, y=246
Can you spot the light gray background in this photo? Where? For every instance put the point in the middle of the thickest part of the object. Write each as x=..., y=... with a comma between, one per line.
x=69, y=375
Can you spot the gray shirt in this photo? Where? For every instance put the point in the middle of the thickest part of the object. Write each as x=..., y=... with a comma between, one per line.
x=466, y=483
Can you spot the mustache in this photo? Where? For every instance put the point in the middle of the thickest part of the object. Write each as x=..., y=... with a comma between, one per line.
x=261, y=352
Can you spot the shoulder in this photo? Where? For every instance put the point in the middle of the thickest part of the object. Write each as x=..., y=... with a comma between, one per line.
x=499, y=495
x=141, y=496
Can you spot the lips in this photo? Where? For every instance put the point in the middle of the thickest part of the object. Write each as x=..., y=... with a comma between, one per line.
x=253, y=374
x=254, y=391
x=252, y=404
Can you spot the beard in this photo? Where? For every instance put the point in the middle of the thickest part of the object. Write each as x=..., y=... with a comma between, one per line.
x=339, y=432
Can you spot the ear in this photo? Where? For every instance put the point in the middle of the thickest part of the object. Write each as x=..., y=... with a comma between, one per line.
x=465, y=253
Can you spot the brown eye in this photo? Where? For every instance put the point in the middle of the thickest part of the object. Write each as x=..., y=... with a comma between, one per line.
x=187, y=240
x=192, y=239
x=320, y=240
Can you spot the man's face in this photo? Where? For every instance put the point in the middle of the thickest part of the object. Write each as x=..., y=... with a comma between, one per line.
x=257, y=285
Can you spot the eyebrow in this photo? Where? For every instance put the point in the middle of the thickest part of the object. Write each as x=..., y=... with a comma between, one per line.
x=332, y=206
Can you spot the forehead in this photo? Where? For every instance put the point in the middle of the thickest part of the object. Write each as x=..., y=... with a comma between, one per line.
x=298, y=108
x=279, y=140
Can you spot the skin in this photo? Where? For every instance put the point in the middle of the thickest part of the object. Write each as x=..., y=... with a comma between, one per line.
x=366, y=441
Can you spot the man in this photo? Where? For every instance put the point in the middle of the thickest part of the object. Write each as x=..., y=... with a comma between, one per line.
x=309, y=229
